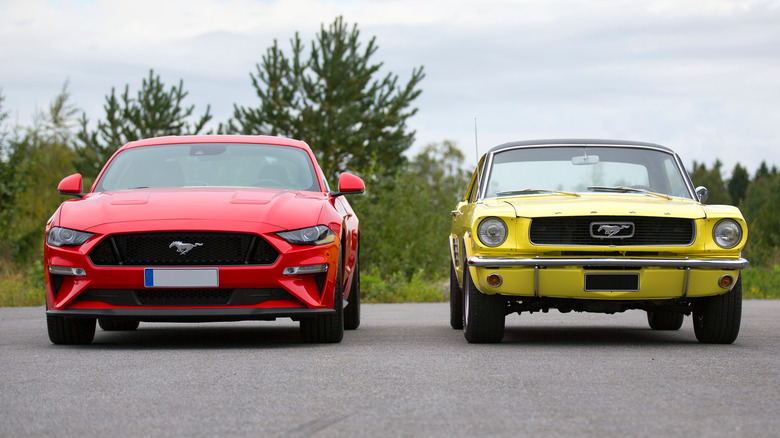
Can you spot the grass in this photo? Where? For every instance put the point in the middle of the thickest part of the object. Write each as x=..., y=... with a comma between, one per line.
x=761, y=282
x=374, y=288
x=24, y=287
x=21, y=287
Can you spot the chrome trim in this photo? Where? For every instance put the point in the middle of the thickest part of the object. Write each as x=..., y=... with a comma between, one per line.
x=481, y=188
x=607, y=262
x=689, y=244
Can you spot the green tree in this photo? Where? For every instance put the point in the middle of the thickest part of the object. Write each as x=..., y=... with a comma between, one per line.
x=405, y=219
x=712, y=179
x=760, y=209
x=738, y=184
x=34, y=162
x=333, y=101
x=8, y=155
x=152, y=112
x=762, y=171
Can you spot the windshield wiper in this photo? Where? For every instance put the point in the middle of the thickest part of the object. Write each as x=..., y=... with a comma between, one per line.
x=533, y=191
x=624, y=189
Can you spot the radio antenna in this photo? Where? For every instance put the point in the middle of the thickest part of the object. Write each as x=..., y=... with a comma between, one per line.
x=476, y=147
x=476, y=141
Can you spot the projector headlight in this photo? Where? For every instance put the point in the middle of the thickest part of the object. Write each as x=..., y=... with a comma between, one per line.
x=318, y=235
x=59, y=236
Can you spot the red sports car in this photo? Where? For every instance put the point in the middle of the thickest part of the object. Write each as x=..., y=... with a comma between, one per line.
x=204, y=228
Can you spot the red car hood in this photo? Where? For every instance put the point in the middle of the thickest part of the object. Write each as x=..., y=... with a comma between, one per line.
x=280, y=208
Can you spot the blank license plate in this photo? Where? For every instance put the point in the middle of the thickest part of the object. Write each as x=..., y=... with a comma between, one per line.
x=611, y=282
x=181, y=277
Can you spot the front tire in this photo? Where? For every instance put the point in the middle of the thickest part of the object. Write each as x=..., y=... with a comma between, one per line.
x=352, y=311
x=70, y=331
x=716, y=319
x=456, y=300
x=665, y=319
x=327, y=328
x=483, y=315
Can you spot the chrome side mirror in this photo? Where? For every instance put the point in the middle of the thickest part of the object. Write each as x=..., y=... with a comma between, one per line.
x=702, y=193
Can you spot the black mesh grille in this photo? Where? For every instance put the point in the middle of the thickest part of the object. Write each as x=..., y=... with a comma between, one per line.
x=576, y=230
x=184, y=297
x=183, y=248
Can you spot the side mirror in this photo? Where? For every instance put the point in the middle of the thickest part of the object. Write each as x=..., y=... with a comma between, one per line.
x=702, y=193
x=72, y=185
x=349, y=184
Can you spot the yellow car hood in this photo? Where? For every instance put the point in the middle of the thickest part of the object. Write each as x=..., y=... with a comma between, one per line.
x=612, y=205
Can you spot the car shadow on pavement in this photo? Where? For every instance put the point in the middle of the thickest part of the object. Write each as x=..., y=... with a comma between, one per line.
x=201, y=336
x=594, y=335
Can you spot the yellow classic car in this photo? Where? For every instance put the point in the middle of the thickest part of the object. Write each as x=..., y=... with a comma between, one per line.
x=593, y=226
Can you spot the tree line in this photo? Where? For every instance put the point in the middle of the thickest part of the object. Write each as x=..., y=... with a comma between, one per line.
x=331, y=96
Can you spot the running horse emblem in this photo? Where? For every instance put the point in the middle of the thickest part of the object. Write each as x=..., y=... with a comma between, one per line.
x=612, y=230
x=183, y=248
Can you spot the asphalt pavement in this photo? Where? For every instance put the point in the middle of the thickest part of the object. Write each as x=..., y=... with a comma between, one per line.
x=404, y=372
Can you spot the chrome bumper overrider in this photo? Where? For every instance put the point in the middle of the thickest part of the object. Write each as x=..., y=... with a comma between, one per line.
x=606, y=262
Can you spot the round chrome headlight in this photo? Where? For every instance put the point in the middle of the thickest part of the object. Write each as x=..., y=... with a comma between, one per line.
x=727, y=233
x=492, y=231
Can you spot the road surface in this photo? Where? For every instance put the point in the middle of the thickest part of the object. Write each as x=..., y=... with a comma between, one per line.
x=404, y=372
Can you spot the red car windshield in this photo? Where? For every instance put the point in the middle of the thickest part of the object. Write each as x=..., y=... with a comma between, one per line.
x=210, y=165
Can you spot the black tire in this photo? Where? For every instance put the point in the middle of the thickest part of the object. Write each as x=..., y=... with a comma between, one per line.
x=117, y=325
x=352, y=310
x=716, y=319
x=327, y=328
x=456, y=300
x=70, y=331
x=483, y=315
x=665, y=319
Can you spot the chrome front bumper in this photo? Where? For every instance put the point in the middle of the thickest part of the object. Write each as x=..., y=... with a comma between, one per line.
x=739, y=263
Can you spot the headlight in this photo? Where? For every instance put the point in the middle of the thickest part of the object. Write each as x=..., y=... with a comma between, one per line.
x=492, y=231
x=319, y=235
x=727, y=233
x=59, y=236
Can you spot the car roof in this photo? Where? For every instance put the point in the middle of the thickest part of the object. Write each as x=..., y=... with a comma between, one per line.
x=577, y=142
x=235, y=139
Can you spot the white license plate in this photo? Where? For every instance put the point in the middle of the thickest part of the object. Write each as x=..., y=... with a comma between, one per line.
x=181, y=277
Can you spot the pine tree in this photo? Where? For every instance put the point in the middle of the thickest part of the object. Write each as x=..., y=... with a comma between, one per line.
x=333, y=101
x=713, y=181
x=738, y=184
x=152, y=112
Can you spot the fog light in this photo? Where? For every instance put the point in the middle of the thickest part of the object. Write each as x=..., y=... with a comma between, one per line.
x=494, y=280
x=726, y=281
x=67, y=270
x=302, y=270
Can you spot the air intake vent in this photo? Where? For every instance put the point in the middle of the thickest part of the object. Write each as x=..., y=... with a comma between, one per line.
x=183, y=249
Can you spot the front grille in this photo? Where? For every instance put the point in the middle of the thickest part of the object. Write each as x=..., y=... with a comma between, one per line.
x=183, y=249
x=576, y=230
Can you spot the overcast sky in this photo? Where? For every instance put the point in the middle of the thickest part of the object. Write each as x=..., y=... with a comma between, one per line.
x=699, y=76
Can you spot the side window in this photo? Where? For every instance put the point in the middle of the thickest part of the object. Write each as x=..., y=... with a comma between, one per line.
x=475, y=180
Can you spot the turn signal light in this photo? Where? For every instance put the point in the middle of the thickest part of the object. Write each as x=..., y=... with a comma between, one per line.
x=726, y=281
x=494, y=280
